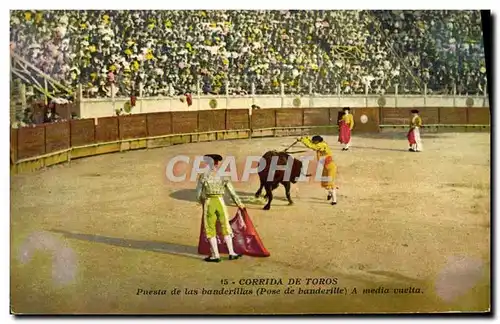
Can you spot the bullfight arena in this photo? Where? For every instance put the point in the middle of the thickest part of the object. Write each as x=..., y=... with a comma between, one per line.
x=86, y=236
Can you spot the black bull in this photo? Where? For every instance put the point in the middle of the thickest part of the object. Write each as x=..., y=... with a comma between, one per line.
x=280, y=176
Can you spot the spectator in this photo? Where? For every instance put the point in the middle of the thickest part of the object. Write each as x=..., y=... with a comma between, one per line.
x=172, y=52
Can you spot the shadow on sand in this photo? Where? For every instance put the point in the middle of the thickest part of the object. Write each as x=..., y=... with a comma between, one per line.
x=161, y=247
x=399, y=134
x=184, y=194
x=379, y=148
x=246, y=197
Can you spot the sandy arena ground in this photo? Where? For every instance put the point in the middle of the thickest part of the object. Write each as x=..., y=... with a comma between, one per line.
x=86, y=236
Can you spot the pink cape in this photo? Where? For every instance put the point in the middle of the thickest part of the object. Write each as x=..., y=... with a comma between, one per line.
x=411, y=137
x=245, y=240
x=344, y=133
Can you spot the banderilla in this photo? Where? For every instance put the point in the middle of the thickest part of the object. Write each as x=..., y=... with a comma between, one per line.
x=295, y=152
x=296, y=141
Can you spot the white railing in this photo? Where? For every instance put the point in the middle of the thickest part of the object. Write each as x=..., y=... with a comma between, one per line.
x=103, y=107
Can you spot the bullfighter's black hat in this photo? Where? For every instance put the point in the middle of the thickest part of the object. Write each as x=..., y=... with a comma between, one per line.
x=346, y=108
x=212, y=157
x=317, y=138
x=414, y=111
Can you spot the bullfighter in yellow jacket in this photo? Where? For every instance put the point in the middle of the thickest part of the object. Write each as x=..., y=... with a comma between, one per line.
x=324, y=156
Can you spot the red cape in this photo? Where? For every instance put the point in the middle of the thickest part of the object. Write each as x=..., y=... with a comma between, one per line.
x=344, y=132
x=246, y=241
x=411, y=137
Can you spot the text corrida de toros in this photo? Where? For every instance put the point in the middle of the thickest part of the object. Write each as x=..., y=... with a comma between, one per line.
x=291, y=281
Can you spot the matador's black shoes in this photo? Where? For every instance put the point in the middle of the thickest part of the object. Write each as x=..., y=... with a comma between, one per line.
x=334, y=203
x=235, y=257
x=210, y=259
x=231, y=257
x=329, y=196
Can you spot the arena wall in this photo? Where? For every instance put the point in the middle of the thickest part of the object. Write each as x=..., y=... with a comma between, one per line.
x=57, y=137
x=95, y=108
x=13, y=145
x=210, y=120
x=453, y=116
x=372, y=125
x=82, y=132
x=132, y=126
x=30, y=142
x=478, y=116
x=313, y=117
x=288, y=117
x=106, y=129
x=43, y=145
x=398, y=116
x=261, y=119
x=184, y=122
x=159, y=123
x=237, y=119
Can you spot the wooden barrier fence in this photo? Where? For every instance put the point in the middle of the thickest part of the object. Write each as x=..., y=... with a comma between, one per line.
x=46, y=144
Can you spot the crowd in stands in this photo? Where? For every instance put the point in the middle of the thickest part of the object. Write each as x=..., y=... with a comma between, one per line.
x=166, y=53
